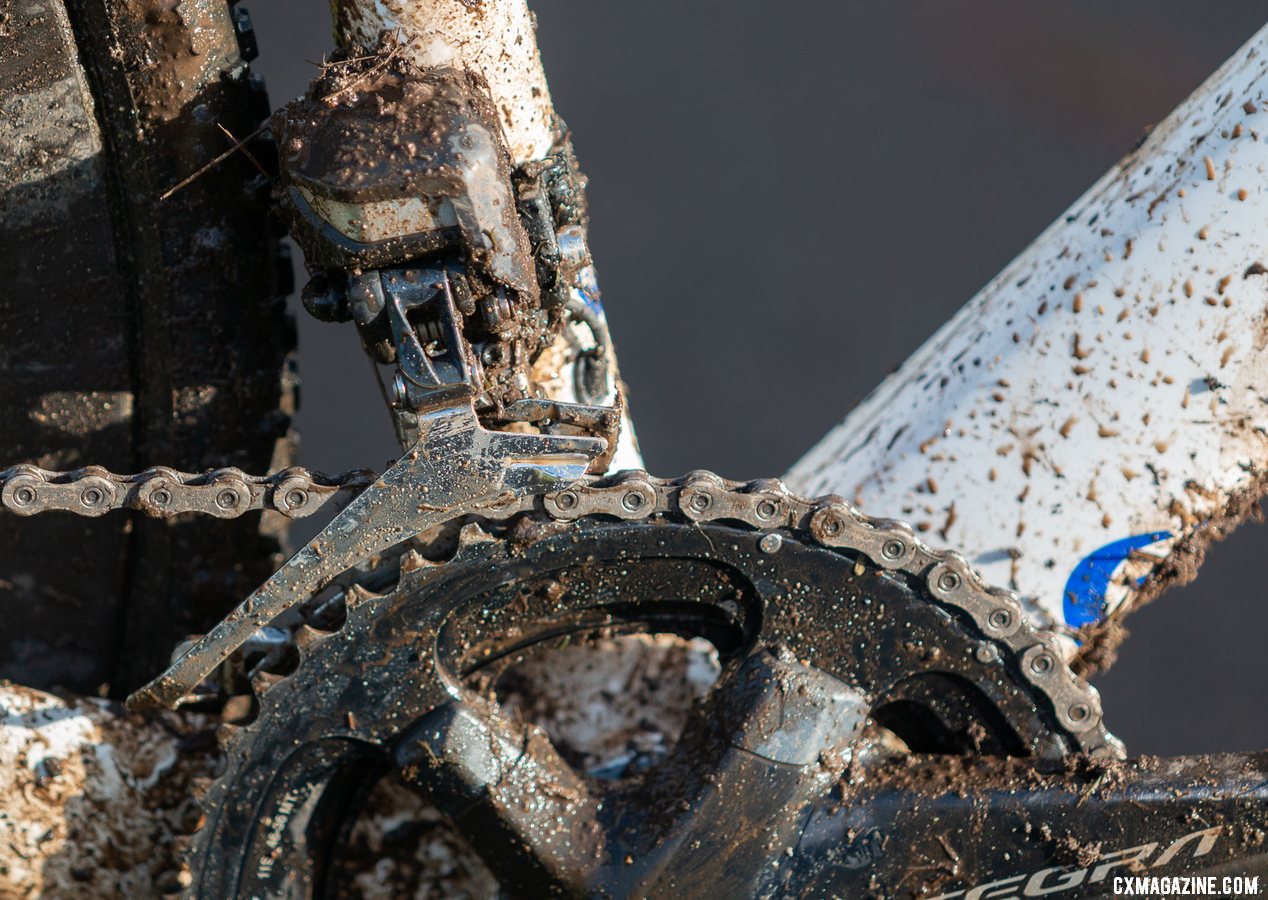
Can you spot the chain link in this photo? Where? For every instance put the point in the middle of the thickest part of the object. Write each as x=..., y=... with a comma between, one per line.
x=161, y=492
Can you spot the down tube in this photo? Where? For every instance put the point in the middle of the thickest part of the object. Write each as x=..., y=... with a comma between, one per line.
x=1088, y=422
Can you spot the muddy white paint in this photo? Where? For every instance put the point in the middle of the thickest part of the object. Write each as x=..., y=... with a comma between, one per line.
x=1105, y=397
x=497, y=38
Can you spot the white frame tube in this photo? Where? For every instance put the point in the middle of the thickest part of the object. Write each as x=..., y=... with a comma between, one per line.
x=1098, y=411
x=497, y=38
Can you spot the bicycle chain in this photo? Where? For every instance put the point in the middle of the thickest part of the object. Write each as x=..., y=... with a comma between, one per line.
x=698, y=497
x=162, y=492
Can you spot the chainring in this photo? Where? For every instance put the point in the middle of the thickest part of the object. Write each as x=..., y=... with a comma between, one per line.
x=928, y=670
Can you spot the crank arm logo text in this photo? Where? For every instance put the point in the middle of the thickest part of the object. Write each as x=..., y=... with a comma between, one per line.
x=1122, y=867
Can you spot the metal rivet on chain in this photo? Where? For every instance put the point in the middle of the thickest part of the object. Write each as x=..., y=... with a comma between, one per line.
x=21, y=494
x=96, y=496
x=232, y=497
x=564, y=505
x=948, y=581
x=826, y=524
x=767, y=509
x=770, y=543
x=154, y=496
x=1000, y=619
x=632, y=501
x=893, y=549
x=1042, y=664
x=296, y=496
x=700, y=501
x=1079, y=712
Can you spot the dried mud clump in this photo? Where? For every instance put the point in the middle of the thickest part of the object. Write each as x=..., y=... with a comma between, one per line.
x=95, y=802
x=1101, y=640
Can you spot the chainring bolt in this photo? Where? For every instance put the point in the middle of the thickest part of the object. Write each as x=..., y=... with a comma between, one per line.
x=770, y=543
x=986, y=652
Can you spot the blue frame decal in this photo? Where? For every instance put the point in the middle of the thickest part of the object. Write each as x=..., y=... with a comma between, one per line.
x=1087, y=585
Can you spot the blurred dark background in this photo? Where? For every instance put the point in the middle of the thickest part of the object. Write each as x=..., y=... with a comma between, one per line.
x=787, y=200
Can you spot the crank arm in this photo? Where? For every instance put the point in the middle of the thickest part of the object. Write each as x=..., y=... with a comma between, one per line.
x=457, y=467
x=783, y=800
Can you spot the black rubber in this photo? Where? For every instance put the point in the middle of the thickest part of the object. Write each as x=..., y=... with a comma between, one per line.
x=134, y=330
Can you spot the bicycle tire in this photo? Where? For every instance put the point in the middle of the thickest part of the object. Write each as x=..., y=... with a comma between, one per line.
x=135, y=329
